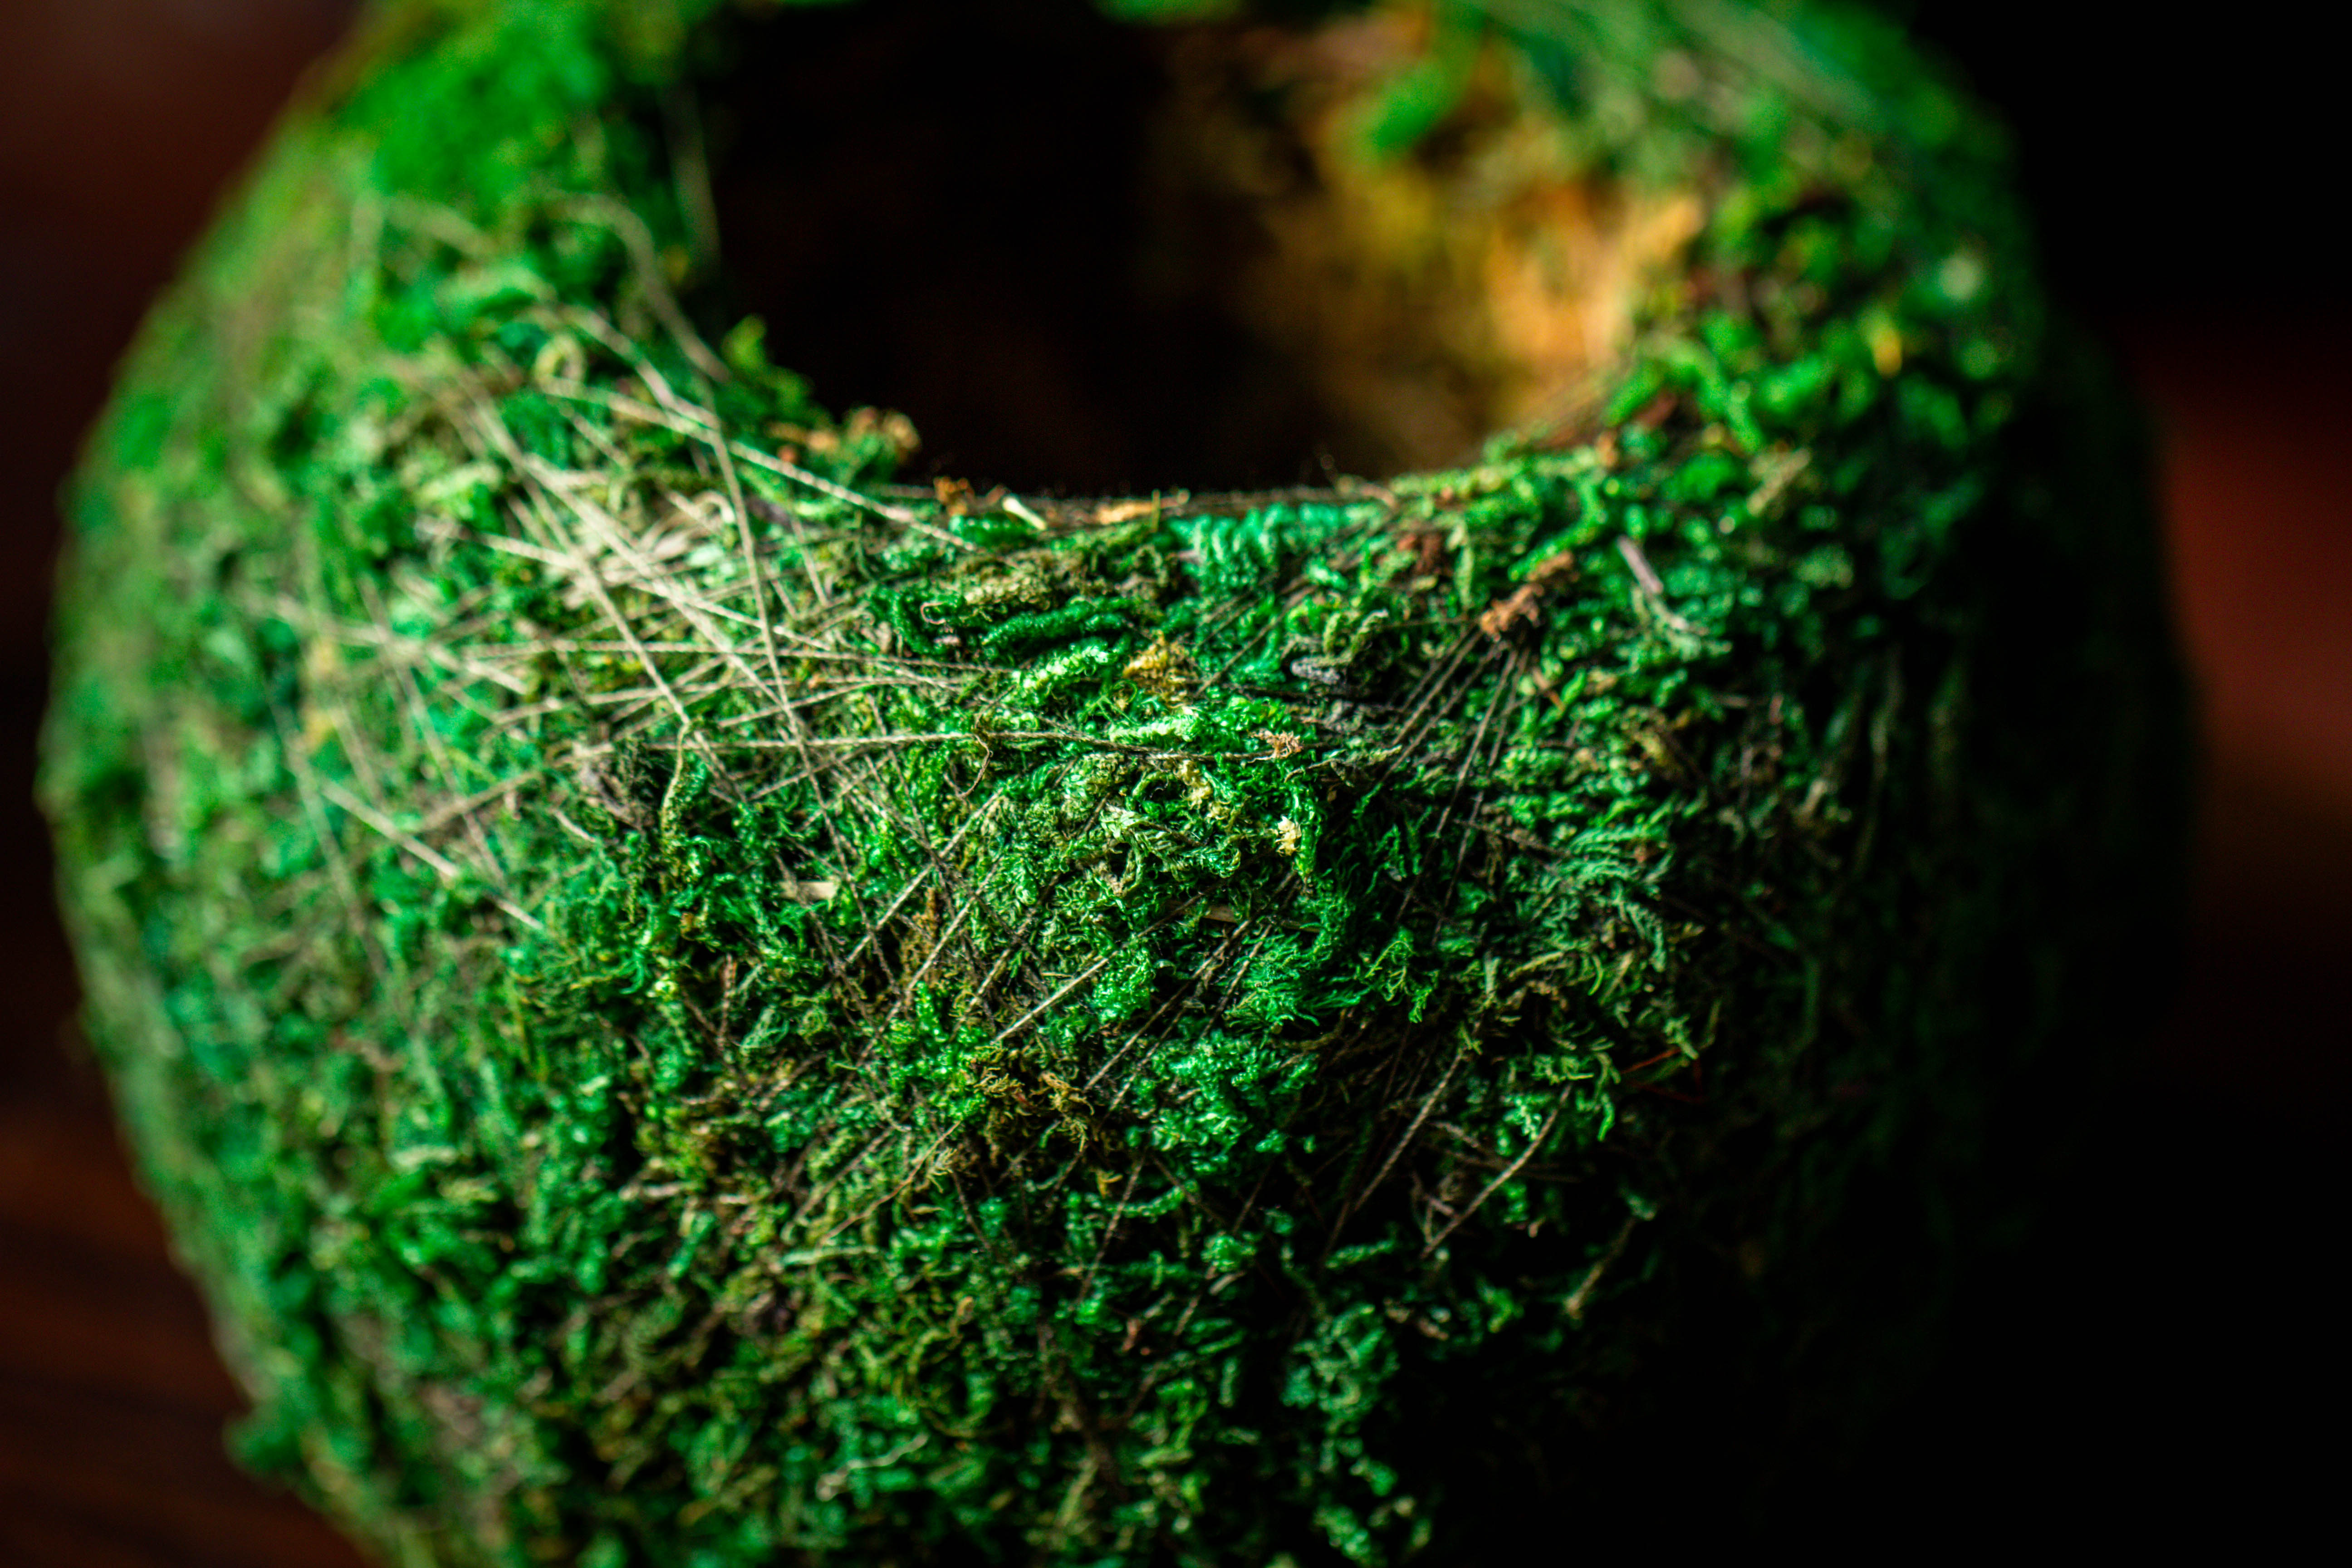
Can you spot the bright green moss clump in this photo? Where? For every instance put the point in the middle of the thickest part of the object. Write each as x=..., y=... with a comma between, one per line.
x=690, y=1008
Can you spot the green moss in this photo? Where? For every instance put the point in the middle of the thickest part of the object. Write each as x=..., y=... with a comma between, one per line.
x=693, y=1010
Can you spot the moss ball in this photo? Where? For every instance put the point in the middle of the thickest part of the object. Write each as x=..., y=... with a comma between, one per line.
x=1122, y=783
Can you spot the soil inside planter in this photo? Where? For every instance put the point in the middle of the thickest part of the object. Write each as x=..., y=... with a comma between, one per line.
x=1093, y=257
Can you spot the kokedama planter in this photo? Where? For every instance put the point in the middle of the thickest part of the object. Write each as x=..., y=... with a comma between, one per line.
x=692, y=1002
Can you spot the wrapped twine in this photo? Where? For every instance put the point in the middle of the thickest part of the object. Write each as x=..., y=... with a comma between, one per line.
x=690, y=1004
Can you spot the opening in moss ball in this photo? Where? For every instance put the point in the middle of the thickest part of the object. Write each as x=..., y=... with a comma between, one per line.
x=1159, y=783
x=1094, y=258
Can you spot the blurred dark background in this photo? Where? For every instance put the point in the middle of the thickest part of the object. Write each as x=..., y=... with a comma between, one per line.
x=2154, y=1367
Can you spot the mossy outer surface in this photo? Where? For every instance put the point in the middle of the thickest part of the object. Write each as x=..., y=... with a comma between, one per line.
x=690, y=1017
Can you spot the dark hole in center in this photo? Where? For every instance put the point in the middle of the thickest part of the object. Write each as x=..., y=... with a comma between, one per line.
x=964, y=212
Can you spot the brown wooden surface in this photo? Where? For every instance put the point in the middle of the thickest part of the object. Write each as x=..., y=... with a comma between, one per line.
x=111, y=1398
x=2179, y=1302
